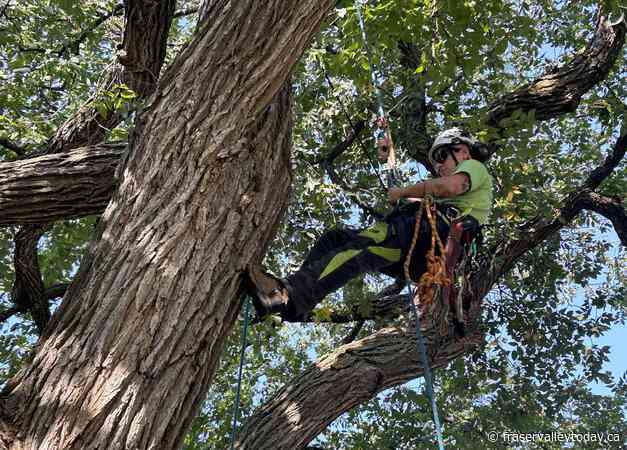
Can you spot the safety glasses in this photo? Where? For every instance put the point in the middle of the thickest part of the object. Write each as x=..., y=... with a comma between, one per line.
x=441, y=153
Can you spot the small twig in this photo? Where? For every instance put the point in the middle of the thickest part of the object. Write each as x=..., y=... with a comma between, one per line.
x=5, y=315
x=185, y=12
x=354, y=332
x=345, y=144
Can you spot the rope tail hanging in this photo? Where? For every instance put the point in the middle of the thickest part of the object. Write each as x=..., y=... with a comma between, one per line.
x=239, y=374
x=438, y=267
x=436, y=274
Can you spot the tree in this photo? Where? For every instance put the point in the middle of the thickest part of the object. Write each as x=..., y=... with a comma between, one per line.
x=199, y=191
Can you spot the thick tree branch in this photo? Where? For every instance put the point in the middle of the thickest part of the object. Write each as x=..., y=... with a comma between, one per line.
x=610, y=208
x=140, y=58
x=56, y=291
x=599, y=174
x=28, y=293
x=58, y=186
x=185, y=12
x=8, y=313
x=560, y=91
x=352, y=374
x=344, y=145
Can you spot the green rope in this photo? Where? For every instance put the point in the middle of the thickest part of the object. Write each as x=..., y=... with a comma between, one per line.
x=239, y=376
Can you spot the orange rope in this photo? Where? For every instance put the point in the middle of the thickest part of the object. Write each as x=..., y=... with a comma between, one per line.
x=436, y=265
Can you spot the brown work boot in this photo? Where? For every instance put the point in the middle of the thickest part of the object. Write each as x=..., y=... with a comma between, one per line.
x=268, y=292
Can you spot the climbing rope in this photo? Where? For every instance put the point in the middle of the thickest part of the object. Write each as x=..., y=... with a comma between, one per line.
x=373, y=76
x=436, y=274
x=239, y=375
x=436, y=266
x=383, y=131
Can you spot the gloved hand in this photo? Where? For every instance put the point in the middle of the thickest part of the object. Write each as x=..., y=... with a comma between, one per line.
x=383, y=149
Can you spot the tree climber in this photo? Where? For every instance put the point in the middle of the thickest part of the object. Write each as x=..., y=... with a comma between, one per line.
x=462, y=192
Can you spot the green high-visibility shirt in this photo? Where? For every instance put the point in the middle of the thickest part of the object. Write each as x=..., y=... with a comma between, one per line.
x=477, y=201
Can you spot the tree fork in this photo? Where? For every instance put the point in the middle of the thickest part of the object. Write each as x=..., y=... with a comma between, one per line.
x=140, y=58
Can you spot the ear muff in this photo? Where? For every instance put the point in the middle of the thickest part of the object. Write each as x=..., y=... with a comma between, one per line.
x=479, y=151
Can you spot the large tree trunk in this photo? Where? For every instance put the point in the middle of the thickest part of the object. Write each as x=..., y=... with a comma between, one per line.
x=129, y=355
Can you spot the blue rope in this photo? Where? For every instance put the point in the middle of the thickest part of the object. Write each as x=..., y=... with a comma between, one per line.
x=422, y=350
x=239, y=376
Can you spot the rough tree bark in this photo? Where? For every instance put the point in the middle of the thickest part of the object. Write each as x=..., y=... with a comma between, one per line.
x=142, y=55
x=139, y=62
x=29, y=292
x=58, y=186
x=126, y=360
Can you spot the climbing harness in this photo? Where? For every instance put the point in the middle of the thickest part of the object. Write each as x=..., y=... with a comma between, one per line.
x=239, y=375
x=383, y=132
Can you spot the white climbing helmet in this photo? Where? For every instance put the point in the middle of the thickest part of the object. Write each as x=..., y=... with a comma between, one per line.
x=440, y=148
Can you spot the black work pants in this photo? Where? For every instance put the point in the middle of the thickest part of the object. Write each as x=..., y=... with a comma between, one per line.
x=342, y=254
